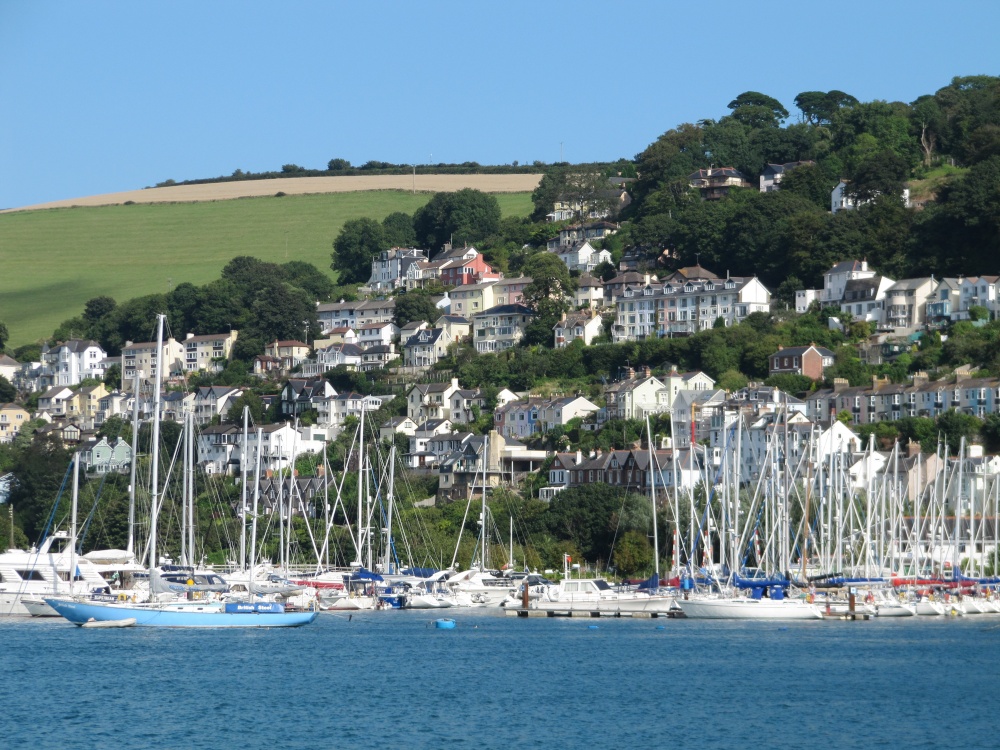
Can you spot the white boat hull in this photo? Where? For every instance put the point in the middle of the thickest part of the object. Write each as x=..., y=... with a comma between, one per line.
x=749, y=609
x=928, y=608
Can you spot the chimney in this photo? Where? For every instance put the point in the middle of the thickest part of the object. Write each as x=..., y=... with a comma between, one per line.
x=912, y=448
x=321, y=471
x=579, y=456
x=189, y=336
x=839, y=384
x=629, y=373
x=920, y=378
x=864, y=265
x=874, y=381
x=646, y=371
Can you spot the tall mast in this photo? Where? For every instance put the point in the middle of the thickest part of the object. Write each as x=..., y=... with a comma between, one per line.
x=130, y=547
x=652, y=494
x=190, y=475
x=387, y=568
x=72, y=529
x=482, y=529
x=256, y=501
x=361, y=476
x=154, y=489
x=185, y=467
x=243, y=491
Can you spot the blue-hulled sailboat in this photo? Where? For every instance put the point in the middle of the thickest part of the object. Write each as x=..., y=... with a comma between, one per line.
x=174, y=613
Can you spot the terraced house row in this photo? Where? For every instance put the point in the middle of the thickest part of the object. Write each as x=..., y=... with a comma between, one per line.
x=885, y=401
x=688, y=301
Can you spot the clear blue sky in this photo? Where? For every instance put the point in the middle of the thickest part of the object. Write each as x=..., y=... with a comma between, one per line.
x=98, y=97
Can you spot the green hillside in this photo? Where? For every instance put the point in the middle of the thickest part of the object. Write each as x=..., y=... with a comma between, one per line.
x=53, y=261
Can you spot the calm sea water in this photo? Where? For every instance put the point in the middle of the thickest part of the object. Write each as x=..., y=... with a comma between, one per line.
x=391, y=680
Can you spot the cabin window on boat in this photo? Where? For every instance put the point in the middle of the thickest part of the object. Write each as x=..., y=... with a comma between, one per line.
x=572, y=586
x=31, y=575
x=602, y=585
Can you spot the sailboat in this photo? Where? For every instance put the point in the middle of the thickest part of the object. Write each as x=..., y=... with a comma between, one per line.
x=164, y=610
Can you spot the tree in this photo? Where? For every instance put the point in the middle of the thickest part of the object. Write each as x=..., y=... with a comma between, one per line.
x=7, y=391
x=881, y=175
x=338, y=165
x=113, y=377
x=98, y=308
x=414, y=306
x=546, y=295
x=757, y=110
x=398, y=228
x=40, y=468
x=358, y=243
x=253, y=402
x=463, y=217
x=4, y=335
x=308, y=278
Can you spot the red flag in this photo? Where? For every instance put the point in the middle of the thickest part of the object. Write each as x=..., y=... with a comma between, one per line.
x=569, y=559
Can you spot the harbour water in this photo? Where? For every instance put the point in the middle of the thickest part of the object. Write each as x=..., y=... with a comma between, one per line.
x=390, y=679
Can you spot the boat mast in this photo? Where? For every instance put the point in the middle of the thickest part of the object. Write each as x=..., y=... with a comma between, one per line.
x=390, y=501
x=185, y=467
x=72, y=529
x=130, y=546
x=253, y=523
x=154, y=481
x=482, y=530
x=652, y=494
x=361, y=476
x=190, y=475
x=243, y=491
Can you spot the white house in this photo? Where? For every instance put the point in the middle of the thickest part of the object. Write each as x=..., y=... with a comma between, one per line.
x=581, y=256
x=841, y=200
x=584, y=324
x=72, y=361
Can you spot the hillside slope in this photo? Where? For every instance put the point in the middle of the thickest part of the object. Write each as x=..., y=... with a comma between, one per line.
x=54, y=261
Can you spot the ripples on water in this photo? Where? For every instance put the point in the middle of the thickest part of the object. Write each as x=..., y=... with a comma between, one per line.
x=390, y=680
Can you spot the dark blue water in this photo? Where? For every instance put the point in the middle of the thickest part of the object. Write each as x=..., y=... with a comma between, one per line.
x=388, y=680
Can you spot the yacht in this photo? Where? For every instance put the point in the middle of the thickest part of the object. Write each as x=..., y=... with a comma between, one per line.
x=42, y=572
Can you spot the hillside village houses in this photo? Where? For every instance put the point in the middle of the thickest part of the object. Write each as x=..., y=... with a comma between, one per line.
x=208, y=353
x=581, y=256
x=500, y=327
x=770, y=178
x=685, y=306
x=12, y=417
x=577, y=233
x=535, y=416
x=801, y=360
x=589, y=292
x=68, y=363
x=426, y=347
x=585, y=325
x=389, y=268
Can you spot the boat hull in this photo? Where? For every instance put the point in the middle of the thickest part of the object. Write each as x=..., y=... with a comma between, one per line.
x=159, y=616
x=748, y=609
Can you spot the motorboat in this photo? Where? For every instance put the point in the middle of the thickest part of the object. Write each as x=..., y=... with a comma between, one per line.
x=597, y=595
x=37, y=573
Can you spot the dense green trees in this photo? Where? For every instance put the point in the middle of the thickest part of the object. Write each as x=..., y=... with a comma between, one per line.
x=359, y=241
x=415, y=306
x=462, y=218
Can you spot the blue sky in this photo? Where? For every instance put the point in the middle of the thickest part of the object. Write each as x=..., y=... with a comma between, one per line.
x=99, y=97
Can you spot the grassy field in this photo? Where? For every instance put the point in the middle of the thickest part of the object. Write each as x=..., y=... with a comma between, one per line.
x=53, y=261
